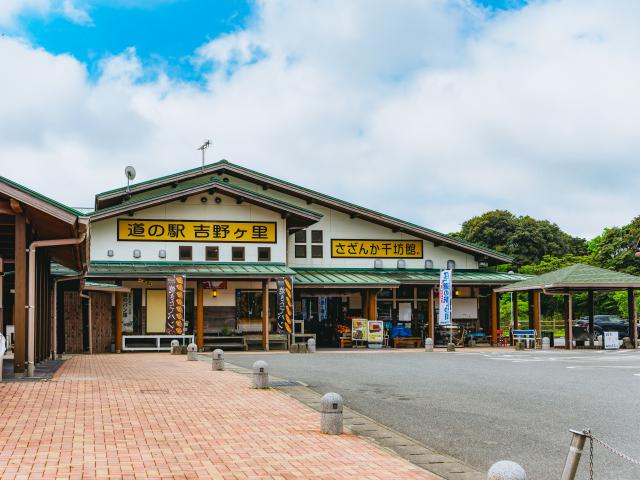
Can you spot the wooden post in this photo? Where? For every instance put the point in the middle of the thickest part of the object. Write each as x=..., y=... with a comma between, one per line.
x=20, y=297
x=536, y=312
x=633, y=319
x=590, y=311
x=119, y=321
x=373, y=313
x=530, y=309
x=568, y=324
x=494, y=319
x=265, y=315
x=431, y=314
x=365, y=304
x=514, y=308
x=200, y=316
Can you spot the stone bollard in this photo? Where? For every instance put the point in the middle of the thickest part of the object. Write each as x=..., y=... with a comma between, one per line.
x=192, y=352
x=626, y=342
x=260, y=374
x=428, y=345
x=471, y=343
x=520, y=346
x=294, y=348
x=175, y=347
x=331, y=414
x=506, y=470
x=311, y=345
x=546, y=343
x=451, y=347
x=217, y=362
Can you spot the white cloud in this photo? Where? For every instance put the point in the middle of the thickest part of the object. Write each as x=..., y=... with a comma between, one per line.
x=430, y=111
x=11, y=10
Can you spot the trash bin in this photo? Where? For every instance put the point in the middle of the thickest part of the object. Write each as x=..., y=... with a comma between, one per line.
x=547, y=334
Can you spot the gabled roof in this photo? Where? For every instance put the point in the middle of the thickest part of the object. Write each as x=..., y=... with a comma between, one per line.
x=167, y=193
x=111, y=197
x=142, y=269
x=577, y=277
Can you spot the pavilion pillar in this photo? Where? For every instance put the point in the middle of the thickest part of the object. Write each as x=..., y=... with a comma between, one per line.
x=119, y=305
x=265, y=315
x=514, y=310
x=530, y=309
x=536, y=311
x=590, y=311
x=633, y=318
x=200, y=316
x=568, y=322
x=20, y=297
x=494, y=319
x=365, y=304
x=431, y=315
x=373, y=310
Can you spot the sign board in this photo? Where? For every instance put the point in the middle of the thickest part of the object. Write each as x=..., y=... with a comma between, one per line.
x=196, y=231
x=444, y=314
x=359, y=329
x=127, y=312
x=175, y=304
x=375, y=331
x=3, y=348
x=611, y=341
x=284, y=305
x=354, y=248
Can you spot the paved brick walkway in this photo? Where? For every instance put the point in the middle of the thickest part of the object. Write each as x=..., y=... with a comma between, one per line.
x=159, y=416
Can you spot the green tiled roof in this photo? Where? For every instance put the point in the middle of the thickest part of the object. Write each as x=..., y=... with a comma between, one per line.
x=44, y=198
x=198, y=173
x=577, y=277
x=101, y=269
x=394, y=277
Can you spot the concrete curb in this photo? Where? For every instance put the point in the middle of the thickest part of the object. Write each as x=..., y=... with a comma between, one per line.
x=444, y=466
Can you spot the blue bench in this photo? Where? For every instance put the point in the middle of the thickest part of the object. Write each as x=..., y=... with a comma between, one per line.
x=527, y=336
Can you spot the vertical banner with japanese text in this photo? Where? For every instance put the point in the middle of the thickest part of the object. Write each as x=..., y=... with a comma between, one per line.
x=444, y=314
x=284, y=300
x=127, y=312
x=175, y=304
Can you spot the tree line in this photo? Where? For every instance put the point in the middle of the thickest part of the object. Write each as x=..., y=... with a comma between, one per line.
x=540, y=246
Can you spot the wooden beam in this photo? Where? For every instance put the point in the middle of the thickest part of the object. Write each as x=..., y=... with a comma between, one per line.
x=590, y=312
x=119, y=305
x=5, y=208
x=514, y=306
x=373, y=313
x=265, y=315
x=494, y=319
x=200, y=316
x=20, y=296
x=633, y=318
x=536, y=312
x=16, y=207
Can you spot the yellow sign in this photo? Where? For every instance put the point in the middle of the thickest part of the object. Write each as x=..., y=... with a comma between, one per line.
x=196, y=231
x=341, y=248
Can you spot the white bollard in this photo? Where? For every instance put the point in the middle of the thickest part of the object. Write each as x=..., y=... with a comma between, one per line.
x=260, y=374
x=428, y=345
x=546, y=343
x=331, y=416
x=192, y=352
x=311, y=345
x=506, y=470
x=175, y=347
x=217, y=363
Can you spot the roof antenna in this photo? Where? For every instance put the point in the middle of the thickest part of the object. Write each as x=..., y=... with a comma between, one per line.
x=203, y=147
x=130, y=173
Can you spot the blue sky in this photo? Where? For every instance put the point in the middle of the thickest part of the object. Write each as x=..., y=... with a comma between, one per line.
x=164, y=32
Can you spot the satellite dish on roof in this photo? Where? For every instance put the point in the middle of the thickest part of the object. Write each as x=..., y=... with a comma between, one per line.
x=130, y=173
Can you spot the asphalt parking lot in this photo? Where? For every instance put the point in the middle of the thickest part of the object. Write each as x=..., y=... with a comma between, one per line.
x=485, y=406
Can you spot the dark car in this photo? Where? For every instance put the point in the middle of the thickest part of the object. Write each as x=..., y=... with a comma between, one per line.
x=603, y=323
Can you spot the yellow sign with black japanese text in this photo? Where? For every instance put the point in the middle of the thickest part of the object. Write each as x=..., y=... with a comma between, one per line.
x=196, y=231
x=350, y=248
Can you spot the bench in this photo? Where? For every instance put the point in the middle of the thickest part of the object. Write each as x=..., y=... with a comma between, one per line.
x=224, y=342
x=158, y=343
x=274, y=339
x=415, y=342
x=526, y=336
x=346, y=342
x=303, y=336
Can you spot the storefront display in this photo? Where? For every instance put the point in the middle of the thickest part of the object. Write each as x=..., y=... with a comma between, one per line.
x=375, y=333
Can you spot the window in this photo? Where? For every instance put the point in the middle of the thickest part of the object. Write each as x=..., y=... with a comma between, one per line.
x=316, y=251
x=316, y=236
x=237, y=254
x=264, y=254
x=301, y=251
x=184, y=252
x=212, y=254
x=451, y=264
x=301, y=236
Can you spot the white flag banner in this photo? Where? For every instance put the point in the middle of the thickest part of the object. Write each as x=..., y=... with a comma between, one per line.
x=444, y=314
